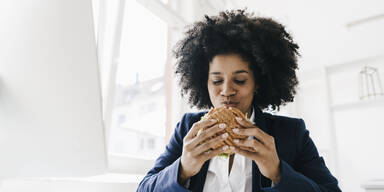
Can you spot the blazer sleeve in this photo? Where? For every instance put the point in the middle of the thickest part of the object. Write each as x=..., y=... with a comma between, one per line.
x=163, y=176
x=309, y=172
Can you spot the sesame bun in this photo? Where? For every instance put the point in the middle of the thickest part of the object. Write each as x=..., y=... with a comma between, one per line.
x=227, y=116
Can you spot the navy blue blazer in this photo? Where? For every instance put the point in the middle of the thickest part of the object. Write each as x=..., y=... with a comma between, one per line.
x=302, y=169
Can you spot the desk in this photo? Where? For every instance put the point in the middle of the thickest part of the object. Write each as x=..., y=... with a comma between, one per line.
x=374, y=186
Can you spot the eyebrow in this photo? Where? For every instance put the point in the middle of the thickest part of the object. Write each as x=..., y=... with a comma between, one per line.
x=236, y=72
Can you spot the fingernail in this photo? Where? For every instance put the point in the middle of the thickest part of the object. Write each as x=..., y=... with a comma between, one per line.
x=222, y=125
x=236, y=141
x=239, y=118
x=232, y=148
x=235, y=130
x=225, y=135
x=213, y=120
x=225, y=147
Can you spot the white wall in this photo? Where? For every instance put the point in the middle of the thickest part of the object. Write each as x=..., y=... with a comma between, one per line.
x=331, y=33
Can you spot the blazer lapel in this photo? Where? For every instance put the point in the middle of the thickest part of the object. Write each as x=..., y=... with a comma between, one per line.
x=255, y=178
x=260, y=120
x=198, y=181
x=258, y=180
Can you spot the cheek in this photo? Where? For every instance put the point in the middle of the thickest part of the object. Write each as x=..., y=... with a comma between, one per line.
x=247, y=94
x=212, y=91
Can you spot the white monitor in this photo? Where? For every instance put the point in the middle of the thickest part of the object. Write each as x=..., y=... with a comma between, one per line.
x=50, y=98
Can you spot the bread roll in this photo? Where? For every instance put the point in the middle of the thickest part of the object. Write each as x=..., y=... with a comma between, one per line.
x=227, y=116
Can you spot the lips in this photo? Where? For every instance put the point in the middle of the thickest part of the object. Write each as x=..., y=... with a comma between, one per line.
x=229, y=103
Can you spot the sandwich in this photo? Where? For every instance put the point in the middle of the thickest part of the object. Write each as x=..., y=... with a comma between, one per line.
x=227, y=116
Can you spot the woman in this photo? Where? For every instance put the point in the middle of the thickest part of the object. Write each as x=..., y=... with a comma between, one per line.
x=239, y=60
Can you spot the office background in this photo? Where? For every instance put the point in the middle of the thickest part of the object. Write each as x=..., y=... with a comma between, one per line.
x=340, y=94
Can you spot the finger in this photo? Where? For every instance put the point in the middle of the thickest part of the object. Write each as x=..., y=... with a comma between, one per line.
x=246, y=153
x=206, y=134
x=245, y=123
x=211, y=144
x=200, y=125
x=250, y=144
x=213, y=153
x=248, y=124
x=253, y=132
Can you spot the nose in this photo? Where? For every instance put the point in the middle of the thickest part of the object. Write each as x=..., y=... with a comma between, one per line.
x=227, y=90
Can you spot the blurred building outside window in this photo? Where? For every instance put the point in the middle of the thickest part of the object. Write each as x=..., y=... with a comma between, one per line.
x=138, y=115
x=141, y=102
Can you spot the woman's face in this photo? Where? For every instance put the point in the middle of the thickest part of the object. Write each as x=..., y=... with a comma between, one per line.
x=231, y=83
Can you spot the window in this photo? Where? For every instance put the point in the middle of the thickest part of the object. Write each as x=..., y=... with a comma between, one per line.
x=138, y=115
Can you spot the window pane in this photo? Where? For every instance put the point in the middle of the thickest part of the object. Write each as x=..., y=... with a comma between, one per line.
x=138, y=119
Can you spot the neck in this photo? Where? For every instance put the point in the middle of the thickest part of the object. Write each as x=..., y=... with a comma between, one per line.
x=249, y=113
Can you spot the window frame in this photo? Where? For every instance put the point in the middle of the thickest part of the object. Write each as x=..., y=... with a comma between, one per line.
x=122, y=163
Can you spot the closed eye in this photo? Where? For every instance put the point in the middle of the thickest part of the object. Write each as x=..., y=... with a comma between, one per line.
x=240, y=82
x=217, y=82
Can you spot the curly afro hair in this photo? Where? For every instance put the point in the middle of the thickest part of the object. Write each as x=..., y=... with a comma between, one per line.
x=262, y=42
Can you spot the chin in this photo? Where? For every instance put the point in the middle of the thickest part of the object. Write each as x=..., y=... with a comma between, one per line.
x=242, y=110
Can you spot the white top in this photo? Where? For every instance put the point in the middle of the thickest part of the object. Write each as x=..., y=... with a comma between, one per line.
x=240, y=178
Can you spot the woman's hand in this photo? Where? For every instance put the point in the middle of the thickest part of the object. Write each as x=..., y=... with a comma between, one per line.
x=196, y=149
x=261, y=150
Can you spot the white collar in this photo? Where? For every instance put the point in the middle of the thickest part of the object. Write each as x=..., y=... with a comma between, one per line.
x=252, y=119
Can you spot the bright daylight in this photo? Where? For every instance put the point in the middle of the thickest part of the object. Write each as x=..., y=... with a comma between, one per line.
x=202, y=96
